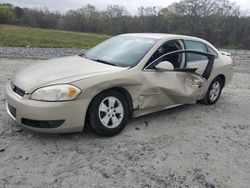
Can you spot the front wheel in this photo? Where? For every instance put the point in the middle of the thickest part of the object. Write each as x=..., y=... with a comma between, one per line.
x=213, y=93
x=108, y=113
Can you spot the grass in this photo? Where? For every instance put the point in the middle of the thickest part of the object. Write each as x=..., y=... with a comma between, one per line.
x=16, y=36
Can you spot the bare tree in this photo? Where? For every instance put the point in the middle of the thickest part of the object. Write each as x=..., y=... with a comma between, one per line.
x=218, y=21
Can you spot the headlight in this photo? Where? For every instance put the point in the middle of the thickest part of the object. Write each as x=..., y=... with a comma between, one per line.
x=64, y=92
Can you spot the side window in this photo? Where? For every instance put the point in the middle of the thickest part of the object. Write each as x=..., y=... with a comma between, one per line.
x=211, y=51
x=175, y=59
x=196, y=46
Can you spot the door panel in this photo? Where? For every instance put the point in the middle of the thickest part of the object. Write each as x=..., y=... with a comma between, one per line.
x=200, y=65
x=170, y=88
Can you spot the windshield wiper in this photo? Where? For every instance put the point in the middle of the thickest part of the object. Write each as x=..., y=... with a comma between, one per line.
x=103, y=61
x=83, y=55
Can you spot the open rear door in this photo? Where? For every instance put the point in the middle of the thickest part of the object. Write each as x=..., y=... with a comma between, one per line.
x=182, y=85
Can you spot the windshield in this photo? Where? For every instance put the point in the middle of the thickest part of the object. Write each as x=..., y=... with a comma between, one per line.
x=122, y=51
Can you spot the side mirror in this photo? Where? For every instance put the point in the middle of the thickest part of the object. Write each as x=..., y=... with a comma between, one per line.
x=164, y=66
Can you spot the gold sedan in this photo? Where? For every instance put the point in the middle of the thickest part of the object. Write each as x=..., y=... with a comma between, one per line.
x=126, y=76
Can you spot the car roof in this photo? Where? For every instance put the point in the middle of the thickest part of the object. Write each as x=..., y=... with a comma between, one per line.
x=160, y=36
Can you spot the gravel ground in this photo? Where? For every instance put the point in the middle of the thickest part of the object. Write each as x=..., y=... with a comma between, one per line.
x=189, y=146
x=28, y=53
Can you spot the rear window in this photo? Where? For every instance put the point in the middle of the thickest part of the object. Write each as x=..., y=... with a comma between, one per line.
x=211, y=51
x=196, y=46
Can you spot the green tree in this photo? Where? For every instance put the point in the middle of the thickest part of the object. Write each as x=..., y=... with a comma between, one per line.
x=6, y=14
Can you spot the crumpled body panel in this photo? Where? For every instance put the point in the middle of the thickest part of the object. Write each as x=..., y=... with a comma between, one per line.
x=170, y=88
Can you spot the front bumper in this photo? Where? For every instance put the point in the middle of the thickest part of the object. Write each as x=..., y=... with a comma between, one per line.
x=51, y=117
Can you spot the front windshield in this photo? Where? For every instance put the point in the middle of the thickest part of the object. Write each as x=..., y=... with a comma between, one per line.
x=122, y=51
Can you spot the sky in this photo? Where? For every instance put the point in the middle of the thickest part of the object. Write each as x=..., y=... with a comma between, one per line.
x=130, y=5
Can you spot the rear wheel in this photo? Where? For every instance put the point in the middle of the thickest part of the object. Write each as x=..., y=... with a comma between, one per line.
x=108, y=113
x=214, y=92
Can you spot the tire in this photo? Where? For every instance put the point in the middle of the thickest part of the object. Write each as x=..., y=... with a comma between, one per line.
x=108, y=113
x=214, y=92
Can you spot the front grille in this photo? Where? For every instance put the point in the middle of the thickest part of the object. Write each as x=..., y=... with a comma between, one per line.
x=12, y=110
x=17, y=90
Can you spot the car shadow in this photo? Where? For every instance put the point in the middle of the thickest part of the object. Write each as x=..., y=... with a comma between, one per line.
x=88, y=134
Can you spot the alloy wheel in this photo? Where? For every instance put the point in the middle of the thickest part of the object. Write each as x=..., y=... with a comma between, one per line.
x=111, y=112
x=215, y=91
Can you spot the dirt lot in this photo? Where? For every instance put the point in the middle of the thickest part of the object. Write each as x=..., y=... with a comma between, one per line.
x=189, y=146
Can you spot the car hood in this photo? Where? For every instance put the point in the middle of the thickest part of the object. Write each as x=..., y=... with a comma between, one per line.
x=59, y=70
